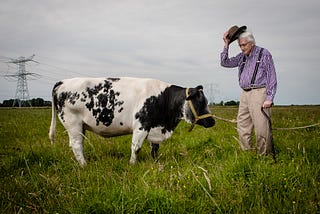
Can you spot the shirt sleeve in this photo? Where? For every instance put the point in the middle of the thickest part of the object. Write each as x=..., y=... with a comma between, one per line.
x=229, y=62
x=271, y=82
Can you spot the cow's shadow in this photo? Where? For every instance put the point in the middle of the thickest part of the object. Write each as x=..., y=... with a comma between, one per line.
x=111, y=153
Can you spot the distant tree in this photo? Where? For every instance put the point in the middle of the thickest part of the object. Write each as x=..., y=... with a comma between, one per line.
x=36, y=102
x=8, y=103
x=231, y=103
x=47, y=103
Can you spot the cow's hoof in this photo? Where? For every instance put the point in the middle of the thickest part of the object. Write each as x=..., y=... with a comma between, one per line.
x=132, y=161
x=83, y=163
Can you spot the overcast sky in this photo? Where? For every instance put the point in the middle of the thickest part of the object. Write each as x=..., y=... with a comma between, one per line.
x=177, y=41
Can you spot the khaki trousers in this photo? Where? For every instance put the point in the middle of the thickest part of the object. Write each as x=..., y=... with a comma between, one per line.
x=249, y=117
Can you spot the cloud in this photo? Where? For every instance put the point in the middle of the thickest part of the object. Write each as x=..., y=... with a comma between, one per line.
x=175, y=41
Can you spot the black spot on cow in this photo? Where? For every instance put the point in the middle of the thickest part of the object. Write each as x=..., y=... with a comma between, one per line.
x=73, y=97
x=113, y=79
x=90, y=105
x=61, y=100
x=93, y=91
x=84, y=95
x=162, y=110
x=103, y=101
x=120, y=110
x=163, y=131
x=121, y=123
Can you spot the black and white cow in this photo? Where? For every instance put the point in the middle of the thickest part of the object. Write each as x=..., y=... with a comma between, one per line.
x=146, y=108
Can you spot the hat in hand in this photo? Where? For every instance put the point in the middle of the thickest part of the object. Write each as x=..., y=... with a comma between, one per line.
x=234, y=32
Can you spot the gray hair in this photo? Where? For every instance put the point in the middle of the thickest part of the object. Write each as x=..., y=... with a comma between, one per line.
x=249, y=36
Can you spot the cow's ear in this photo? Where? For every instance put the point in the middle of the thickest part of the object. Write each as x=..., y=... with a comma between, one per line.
x=199, y=87
x=194, y=91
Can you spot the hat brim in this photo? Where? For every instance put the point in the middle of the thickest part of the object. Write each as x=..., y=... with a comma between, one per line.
x=236, y=34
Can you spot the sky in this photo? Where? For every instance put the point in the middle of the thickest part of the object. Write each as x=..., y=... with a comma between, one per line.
x=176, y=41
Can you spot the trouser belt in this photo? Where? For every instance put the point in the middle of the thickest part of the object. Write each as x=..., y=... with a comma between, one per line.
x=249, y=89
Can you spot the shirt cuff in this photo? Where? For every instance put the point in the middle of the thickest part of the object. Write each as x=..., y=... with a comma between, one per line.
x=269, y=98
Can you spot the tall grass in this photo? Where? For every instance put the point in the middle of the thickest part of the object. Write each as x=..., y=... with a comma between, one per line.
x=199, y=172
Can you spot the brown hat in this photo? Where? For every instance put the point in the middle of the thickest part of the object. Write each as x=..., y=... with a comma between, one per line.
x=234, y=32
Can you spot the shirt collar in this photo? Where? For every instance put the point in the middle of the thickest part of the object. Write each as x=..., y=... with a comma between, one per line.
x=254, y=52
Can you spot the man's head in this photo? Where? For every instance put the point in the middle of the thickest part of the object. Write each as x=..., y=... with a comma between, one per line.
x=246, y=42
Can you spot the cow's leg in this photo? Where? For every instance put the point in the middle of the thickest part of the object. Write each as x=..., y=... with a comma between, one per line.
x=155, y=137
x=76, y=144
x=154, y=150
x=76, y=134
x=137, y=140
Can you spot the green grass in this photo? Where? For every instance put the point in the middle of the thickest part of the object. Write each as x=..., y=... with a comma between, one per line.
x=203, y=171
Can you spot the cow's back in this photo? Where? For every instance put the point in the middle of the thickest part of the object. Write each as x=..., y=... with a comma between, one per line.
x=106, y=106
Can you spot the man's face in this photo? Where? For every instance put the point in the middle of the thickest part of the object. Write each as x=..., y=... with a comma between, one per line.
x=245, y=46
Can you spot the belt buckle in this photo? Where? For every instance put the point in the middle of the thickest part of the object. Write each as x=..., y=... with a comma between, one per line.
x=250, y=88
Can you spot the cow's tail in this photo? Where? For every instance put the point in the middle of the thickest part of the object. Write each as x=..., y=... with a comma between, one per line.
x=53, y=122
x=54, y=111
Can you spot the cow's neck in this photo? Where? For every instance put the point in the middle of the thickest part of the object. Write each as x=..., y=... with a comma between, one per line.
x=174, y=100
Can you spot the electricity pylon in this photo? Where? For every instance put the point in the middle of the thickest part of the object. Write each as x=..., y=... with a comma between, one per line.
x=22, y=92
x=212, y=89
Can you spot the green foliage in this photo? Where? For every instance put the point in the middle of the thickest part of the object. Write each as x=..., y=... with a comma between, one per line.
x=232, y=103
x=203, y=171
x=35, y=102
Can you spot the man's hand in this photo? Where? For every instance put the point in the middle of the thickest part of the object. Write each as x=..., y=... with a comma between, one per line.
x=225, y=39
x=267, y=104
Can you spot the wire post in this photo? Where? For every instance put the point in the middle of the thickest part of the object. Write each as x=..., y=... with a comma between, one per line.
x=22, y=91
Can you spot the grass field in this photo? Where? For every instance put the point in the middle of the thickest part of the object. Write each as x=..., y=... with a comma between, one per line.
x=202, y=171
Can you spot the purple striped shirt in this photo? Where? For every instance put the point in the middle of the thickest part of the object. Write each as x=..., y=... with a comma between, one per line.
x=266, y=75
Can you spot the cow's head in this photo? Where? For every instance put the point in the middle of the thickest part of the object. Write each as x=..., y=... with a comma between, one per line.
x=197, y=110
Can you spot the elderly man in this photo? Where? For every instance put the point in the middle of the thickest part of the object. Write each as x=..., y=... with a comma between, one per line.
x=257, y=78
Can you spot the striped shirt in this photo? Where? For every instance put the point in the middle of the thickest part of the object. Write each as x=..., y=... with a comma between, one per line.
x=266, y=75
